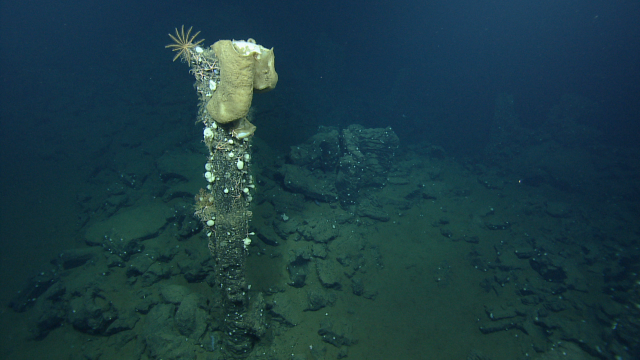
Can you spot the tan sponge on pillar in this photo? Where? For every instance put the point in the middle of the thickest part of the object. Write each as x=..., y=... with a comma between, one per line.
x=244, y=65
x=265, y=75
x=232, y=98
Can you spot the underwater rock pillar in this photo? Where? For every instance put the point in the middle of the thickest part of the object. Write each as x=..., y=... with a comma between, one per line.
x=226, y=76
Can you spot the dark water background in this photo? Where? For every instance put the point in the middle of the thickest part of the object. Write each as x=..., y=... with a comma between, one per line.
x=440, y=64
x=79, y=76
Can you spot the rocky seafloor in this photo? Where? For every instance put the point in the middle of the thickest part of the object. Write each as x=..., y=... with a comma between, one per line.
x=364, y=249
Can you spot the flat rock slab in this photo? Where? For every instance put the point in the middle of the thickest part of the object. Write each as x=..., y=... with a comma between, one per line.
x=310, y=184
x=558, y=209
x=139, y=223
